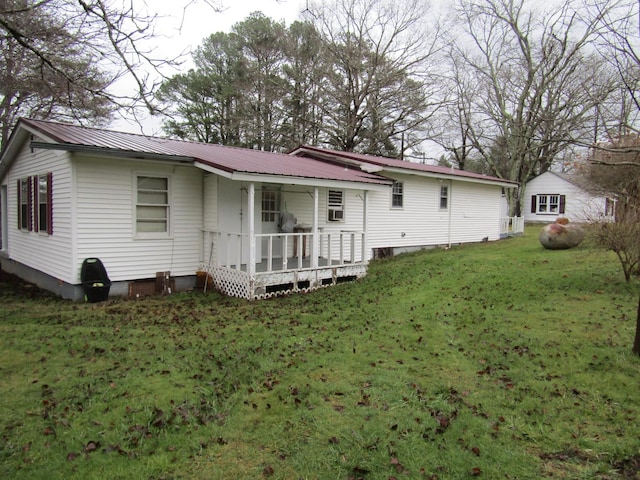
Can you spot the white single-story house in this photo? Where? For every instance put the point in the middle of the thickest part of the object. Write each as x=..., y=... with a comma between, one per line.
x=156, y=211
x=552, y=194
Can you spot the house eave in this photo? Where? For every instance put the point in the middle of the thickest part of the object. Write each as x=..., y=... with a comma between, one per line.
x=108, y=152
x=292, y=180
x=382, y=169
x=457, y=178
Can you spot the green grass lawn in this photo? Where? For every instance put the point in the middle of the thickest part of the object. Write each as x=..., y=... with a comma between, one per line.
x=496, y=360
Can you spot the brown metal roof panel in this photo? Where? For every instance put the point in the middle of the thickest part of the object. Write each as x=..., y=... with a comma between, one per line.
x=401, y=164
x=76, y=135
x=231, y=159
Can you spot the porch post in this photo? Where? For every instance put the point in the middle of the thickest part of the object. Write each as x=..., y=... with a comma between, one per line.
x=365, y=208
x=251, y=267
x=315, y=241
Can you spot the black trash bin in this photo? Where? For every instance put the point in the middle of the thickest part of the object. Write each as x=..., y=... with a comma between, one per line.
x=95, y=281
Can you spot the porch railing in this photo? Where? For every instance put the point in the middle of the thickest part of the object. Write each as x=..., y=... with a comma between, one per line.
x=511, y=225
x=284, y=251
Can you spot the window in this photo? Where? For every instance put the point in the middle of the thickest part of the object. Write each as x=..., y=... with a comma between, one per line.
x=152, y=205
x=270, y=206
x=335, y=205
x=24, y=203
x=609, y=207
x=35, y=204
x=43, y=204
x=444, y=197
x=547, y=204
x=397, y=195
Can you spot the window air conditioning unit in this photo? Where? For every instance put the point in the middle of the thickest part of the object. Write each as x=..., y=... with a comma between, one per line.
x=336, y=215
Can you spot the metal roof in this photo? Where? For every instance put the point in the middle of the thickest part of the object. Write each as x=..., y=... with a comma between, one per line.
x=222, y=158
x=392, y=163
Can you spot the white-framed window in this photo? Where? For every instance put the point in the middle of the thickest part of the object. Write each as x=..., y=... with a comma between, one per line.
x=444, y=197
x=24, y=203
x=270, y=205
x=43, y=212
x=335, y=205
x=35, y=203
x=152, y=205
x=548, y=204
x=397, y=195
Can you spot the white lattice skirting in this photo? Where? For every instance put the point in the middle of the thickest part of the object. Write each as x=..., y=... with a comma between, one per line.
x=234, y=283
x=237, y=283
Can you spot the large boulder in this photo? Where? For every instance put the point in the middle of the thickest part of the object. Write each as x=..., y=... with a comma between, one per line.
x=556, y=236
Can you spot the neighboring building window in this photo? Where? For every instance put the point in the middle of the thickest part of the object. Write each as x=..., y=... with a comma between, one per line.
x=43, y=212
x=335, y=206
x=444, y=197
x=270, y=205
x=609, y=207
x=551, y=204
x=152, y=204
x=24, y=203
x=397, y=193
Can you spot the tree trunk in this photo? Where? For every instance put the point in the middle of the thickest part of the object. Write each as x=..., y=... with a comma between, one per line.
x=636, y=341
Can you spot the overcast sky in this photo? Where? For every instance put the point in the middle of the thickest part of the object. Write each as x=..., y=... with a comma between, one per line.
x=180, y=30
x=199, y=20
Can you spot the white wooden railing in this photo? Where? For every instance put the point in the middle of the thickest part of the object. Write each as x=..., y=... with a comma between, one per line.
x=511, y=225
x=284, y=251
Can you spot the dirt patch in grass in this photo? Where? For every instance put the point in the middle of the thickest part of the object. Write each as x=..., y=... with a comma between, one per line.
x=629, y=467
x=15, y=286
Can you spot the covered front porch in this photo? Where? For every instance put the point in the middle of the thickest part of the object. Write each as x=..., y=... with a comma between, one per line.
x=293, y=267
x=253, y=263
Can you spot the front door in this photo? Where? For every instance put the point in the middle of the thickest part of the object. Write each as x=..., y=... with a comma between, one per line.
x=270, y=199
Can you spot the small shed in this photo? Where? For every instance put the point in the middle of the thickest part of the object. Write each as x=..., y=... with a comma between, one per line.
x=553, y=194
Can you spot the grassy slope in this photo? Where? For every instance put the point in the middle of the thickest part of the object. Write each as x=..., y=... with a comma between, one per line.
x=498, y=360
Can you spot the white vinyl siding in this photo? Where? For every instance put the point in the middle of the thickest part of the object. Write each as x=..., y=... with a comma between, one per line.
x=50, y=254
x=106, y=219
x=473, y=213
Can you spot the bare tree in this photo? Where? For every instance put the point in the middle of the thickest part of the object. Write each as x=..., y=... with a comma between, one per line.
x=618, y=42
x=377, y=92
x=614, y=172
x=79, y=59
x=536, y=83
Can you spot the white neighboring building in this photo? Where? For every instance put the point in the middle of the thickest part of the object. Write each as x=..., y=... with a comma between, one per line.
x=551, y=195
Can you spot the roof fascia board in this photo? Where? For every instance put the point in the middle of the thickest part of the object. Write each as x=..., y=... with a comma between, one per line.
x=286, y=180
x=455, y=177
x=108, y=152
x=308, y=182
x=216, y=171
x=405, y=171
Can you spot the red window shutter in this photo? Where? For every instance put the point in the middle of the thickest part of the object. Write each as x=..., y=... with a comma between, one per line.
x=50, y=203
x=563, y=199
x=19, y=205
x=533, y=203
x=36, y=213
x=29, y=204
